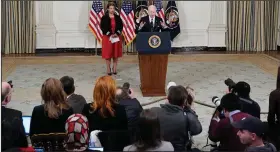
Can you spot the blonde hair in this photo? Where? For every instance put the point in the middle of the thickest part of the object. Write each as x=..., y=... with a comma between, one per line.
x=54, y=97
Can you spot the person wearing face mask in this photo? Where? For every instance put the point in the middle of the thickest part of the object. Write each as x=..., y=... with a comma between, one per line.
x=221, y=130
x=111, y=26
x=151, y=22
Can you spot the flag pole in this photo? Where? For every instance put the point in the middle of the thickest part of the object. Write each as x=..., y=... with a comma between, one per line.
x=96, y=47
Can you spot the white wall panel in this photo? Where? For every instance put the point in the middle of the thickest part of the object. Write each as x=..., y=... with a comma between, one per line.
x=67, y=24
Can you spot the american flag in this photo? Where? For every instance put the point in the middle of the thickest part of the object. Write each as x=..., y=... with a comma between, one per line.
x=96, y=14
x=127, y=16
x=160, y=12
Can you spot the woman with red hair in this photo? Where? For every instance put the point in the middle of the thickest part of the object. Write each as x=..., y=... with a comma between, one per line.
x=104, y=113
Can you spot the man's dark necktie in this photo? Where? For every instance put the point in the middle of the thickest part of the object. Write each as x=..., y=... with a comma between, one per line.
x=152, y=24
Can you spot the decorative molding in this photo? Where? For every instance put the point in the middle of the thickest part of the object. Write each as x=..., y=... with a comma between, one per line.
x=91, y=51
x=217, y=28
x=45, y=28
x=45, y=9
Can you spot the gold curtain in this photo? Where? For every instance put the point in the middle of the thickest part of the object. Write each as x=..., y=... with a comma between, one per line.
x=18, y=27
x=252, y=25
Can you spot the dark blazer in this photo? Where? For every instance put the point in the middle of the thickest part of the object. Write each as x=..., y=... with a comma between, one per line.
x=41, y=123
x=148, y=27
x=12, y=131
x=96, y=122
x=250, y=106
x=224, y=132
x=133, y=109
x=77, y=102
x=274, y=108
x=105, y=25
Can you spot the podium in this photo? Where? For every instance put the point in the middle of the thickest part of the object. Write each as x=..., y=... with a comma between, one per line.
x=153, y=49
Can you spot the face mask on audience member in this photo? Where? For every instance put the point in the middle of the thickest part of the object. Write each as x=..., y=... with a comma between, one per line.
x=77, y=132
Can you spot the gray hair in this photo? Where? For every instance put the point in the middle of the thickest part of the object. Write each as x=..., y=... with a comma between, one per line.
x=123, y=95
x=152, y=7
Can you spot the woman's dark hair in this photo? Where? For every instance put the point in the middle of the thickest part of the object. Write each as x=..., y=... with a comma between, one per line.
x=148, y=134
x=111, y=4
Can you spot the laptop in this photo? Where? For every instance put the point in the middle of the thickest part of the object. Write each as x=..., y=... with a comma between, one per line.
x=26, y=123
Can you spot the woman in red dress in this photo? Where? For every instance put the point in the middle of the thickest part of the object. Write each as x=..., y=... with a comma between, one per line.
x=111, y=26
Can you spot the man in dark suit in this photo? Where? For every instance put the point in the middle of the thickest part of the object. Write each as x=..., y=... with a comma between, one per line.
x=151, y=23
x=13, y=133
x=221, y=130
x=76, y=101
x=274, y=114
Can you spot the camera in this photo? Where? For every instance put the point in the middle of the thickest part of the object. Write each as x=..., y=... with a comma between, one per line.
x=126, y=87
x=216, y=100
x=230, y=83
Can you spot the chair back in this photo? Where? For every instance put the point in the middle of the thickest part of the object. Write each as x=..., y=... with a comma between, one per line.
x=49, y=142
x=114, y=140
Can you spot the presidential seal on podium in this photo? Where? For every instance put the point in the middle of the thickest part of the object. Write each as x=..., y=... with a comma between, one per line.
x=154, y=41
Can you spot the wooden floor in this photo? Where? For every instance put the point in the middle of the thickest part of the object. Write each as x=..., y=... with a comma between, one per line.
x=269, y=61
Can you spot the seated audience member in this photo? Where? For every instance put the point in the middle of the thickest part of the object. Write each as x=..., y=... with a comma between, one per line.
x=242, y=90
x=76, y=101
x=50, y=117
x=77, y=133
x=104, y=113
x=12, y=129
x=251, y=131
x=221, y=129
x=177, y=125
x=148, y=137
x=132, y=106
x=274, y=113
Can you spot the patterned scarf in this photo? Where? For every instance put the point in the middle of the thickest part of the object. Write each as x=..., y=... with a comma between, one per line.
x=77, y=132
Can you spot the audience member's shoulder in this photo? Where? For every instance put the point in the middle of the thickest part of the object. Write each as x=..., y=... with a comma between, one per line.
x=167, y=145
x=275, y=93
x=87, y=108
x=10, y=110
x=119, y=107
x=39, y=107
x=156, y=109
x=79, y=96
x=69, y=111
